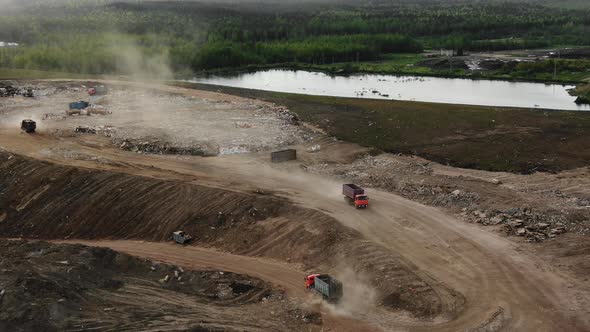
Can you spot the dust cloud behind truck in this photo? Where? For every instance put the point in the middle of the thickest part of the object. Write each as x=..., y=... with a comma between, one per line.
x=355, y=195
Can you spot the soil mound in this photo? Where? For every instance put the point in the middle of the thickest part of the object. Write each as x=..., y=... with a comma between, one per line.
x=46, y=201
x=51, y=287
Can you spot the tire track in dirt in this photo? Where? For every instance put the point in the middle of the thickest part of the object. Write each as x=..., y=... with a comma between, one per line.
x=448, y=254
x=190, y=257
x=91, y=204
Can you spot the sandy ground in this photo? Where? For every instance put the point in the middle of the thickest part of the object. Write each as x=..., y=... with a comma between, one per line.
x=506, y=286
x=62, y=287
x=218, y=126
x=283, y=275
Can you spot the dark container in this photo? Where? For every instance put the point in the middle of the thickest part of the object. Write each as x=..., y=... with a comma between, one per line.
x=283, y=155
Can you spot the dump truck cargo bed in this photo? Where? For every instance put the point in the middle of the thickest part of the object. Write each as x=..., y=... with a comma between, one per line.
x=329, y=287
x=351, y=190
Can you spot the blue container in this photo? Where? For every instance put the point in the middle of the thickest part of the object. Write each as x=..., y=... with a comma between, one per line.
x=79, y=105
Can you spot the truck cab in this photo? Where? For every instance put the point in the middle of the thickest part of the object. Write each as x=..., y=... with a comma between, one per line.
x=181, y=237
x=361, y=201
x=310, y=280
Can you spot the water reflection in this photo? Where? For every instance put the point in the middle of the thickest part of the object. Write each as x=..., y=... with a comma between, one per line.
x=411, y=88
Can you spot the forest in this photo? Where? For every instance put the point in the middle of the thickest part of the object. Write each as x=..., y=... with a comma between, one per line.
x=90, y=37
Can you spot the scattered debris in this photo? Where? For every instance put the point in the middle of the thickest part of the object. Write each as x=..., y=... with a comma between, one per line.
x=315, y=148
x=312, y=317
x=12, y=91
x=496, y=181
x=241, y=124
x=415, y=180
x=88, y=111
x=85, y=130
x=442, y=63
x=285, y=114
x=157, y=146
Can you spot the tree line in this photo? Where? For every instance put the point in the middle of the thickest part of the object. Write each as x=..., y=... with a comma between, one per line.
x=194, y=37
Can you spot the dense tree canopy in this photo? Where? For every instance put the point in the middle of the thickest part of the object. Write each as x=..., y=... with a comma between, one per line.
x=196, y=36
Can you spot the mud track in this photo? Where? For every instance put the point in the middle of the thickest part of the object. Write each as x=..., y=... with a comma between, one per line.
x=64, y=287
x=482, y=281
x=283, y=275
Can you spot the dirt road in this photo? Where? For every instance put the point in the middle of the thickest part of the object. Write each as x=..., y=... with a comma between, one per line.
x=504, y=286
x=489, y=270
x=280, y=274
x=498, y=279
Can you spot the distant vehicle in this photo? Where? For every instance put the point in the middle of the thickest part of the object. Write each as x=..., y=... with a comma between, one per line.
x=28, y=126
x=355, y=195
x=326, y=285
x=99, y=90
x=181, y=237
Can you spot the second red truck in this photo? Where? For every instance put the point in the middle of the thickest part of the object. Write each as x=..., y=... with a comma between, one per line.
x=355, y=195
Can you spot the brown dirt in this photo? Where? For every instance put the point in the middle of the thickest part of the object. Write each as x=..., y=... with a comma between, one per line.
x=132, y=207
x=480, y=279
x=489, y=198
x=51, y=287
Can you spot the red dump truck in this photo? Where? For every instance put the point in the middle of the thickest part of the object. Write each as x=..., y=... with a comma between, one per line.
x=326, y=285
x=355, y=195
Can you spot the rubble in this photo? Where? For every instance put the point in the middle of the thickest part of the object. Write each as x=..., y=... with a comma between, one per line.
x=186, y=125
x=34, y=289
x=315, y=148
x=285, y=114
x=12, y=91
x=154, y=145
x=496, y=182
x=88, y=111
x=85, y=130
x=241, y=124
x=414, y=180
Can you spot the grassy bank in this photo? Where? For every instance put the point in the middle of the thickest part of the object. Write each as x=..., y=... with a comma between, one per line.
x=15, y=74
x=571, y=71
x=489, y=138
x=583, y=93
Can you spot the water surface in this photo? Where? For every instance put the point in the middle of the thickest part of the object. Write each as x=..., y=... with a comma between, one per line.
x=413, y=88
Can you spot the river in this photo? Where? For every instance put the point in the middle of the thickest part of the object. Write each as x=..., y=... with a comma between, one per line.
x=412, y=88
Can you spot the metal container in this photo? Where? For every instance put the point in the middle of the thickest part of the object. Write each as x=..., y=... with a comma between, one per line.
x=330, y=288
x=283, y=155
x=352, y=190
x=79, y=105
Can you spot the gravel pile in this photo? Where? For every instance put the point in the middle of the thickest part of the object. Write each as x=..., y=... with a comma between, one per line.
x=473, y=200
